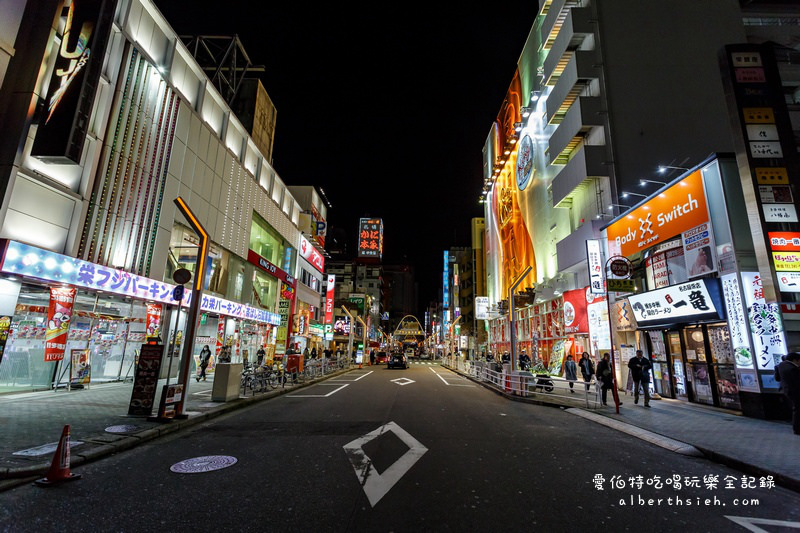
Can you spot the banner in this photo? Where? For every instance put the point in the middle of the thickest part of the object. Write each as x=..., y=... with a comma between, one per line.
x=329, y=298
x=153, y=322
x=575, y=318
x=5, y=327
x=59, y=314
x=80, y=369
x=699, y=250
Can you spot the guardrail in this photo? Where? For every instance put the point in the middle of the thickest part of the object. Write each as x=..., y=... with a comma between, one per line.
x=542, y=387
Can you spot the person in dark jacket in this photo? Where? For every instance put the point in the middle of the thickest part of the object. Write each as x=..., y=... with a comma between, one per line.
x=604, y=376
x=587, y=368
x=639, y=367
x=570, y=372
x=205, y=359
x=788, y=374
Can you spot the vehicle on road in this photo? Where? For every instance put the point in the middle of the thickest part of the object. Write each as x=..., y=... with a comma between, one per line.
x=409, y=353
x=397, y=360
x=381, y=358
x=424, y=354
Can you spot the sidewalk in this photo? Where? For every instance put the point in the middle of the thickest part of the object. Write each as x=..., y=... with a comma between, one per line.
x=31, y=420
x=754, y=446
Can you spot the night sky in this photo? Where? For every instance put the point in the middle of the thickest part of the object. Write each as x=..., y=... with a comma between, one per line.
x=385, y=109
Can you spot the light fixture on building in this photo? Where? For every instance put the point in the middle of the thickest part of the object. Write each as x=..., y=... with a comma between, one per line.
x=526, y=111
x=626, y=194
x=518, y=126
x=643, y=182
x=535, y=95
x=507, y=152
x=513, y=140
x=663, y=168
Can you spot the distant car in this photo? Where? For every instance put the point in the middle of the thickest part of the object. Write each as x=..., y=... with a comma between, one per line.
x=424, y=355
x=410, y=353
x=397, y=360
x=381, y=357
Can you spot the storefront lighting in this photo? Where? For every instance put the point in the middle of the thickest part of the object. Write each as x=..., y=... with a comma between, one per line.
x=518, y=126
x=643, y=182
x=535, y=95
x=513, y=140
x=507, y=152
x=663, y=168
x=50, y=263
x=626, y=194
x=526, y=112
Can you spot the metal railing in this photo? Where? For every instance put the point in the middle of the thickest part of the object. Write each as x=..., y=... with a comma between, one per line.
x=256, y=379
x=542, y=387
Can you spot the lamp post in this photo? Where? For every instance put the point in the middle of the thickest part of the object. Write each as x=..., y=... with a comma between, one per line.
x=363, y=336
x=350, y=342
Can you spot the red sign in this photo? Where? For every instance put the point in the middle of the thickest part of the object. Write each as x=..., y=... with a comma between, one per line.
x=153, y=321
x=785, y=241
x=269, y=268
x=575, y=318
x=310, y=254
x=62, y=299
x=370, y=238
x=329, y=299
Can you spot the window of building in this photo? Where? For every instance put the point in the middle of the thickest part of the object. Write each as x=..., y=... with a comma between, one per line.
x=269, y=244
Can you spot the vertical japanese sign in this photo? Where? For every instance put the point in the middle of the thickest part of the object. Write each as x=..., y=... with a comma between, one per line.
x=594, y=258
x=446, y=281
x=370, y=238
x=766, y=325
x=80, y=370
x=153, y=321
x=220, y=337
x=311, y=254
x=765, y=152
x=283, y=329
x=5, y=327
x=740, y=342
x=62, y=300
x=329, y=298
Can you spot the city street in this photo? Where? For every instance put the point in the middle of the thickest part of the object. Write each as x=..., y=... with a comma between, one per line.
x=400, y=450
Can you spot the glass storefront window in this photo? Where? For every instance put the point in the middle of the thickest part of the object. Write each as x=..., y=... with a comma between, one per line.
x=265, y=289
x=267, y=242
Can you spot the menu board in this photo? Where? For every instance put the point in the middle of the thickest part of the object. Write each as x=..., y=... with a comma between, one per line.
x=145, y=380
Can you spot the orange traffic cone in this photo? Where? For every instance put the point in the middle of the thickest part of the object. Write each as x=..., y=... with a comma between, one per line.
x=59, y=468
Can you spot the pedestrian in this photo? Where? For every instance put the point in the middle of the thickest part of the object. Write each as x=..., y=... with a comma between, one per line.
x=571, y=372
x=604, y=376
x=587, y=368
x=639, y=367
x=205, y=359
x=506, y=358
x=524, y=361
x=788, y=374
x=305, y=353
x=372, y=357
x=314, y=352
x=260, y=355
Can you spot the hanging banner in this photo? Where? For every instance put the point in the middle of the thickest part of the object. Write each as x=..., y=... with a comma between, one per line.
x=575, y=317
x=220, y=337
x=59, y=314
x=153, y=321
x=594, y=259
x=699, y=250
x=283, y=329
x=737, y=322
x=329, y=298
x=599, y=335
x=766, y=326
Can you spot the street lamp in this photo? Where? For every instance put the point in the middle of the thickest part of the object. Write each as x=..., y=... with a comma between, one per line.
x=663, y=168
x=350, y=342
x=643, y=182
x=363, y=336
x=626, y=194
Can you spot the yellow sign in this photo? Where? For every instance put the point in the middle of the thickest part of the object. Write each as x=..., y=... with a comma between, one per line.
x=621, y=285
x=786, y=261
x=772, y=176
x=758, y=115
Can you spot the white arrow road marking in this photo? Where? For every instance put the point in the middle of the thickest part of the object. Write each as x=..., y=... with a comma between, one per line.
x=749, y=523
x=450, y=384
x=402, y=381
x=331, y=393
x=376, y=485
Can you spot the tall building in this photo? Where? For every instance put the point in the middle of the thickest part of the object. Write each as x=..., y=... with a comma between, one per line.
x=399, y=294
x=107, y=118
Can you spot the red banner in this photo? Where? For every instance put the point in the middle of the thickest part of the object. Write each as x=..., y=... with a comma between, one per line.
x=153, y=323
x=59, y=314
x=329, y=299
x=575, y=318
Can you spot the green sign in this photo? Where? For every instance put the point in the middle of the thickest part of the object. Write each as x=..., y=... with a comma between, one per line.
x=621, y=285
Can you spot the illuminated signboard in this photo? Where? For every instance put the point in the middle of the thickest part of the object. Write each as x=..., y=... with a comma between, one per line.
x=329, y=299
x=446, y=281
x=673, y=211
x=370, y=238
x=269, y=268
x=24, y=260
x=311, y=254
x=594, y=259
x=482, y=308
x=64, y=115
x=697, y=300
x=766, y=326
x=785, y=241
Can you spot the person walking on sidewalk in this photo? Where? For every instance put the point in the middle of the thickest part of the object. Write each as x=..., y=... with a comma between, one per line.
x=605, y=377
x=788, y=374
x=587, y=369
x=205, y=358
x=640, y=372
x=570, y=372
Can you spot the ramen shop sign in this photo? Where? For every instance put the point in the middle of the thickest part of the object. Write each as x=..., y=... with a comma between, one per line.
x=671, y=212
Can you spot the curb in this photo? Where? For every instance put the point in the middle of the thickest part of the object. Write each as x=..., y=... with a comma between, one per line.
x=11, y=477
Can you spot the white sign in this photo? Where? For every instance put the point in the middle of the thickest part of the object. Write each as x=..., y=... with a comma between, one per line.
x=788, y=281
x=760, y=150
x=594, y=258
x=779, y=213
x=599, y=334
x=699, y=250
x=310, y=254
x=657, y=271
x=671, y=303
x=766, y=326
x=482, y=308
x=737, y=322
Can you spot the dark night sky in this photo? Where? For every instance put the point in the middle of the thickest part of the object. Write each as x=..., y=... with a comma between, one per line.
x=386, y=110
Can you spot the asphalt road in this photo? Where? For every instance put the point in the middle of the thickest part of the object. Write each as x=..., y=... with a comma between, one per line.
x=364, y=452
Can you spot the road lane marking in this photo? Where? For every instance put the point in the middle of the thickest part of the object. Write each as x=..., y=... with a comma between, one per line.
x=342, y=378
x=334, y=391
x=203, y=393
x=402, y=381
x=749, y=523
x=448, y=383
x=376, y=485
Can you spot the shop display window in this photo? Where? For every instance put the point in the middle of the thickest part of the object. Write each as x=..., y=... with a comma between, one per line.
x=268, y=243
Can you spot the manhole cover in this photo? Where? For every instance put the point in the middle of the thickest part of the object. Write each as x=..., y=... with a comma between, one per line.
x=125, y=428
x=206, y=463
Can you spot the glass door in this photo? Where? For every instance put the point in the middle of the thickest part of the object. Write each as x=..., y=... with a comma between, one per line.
x=679, y=376
x=722, y=362
x=661, y=367
x=697, y=362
